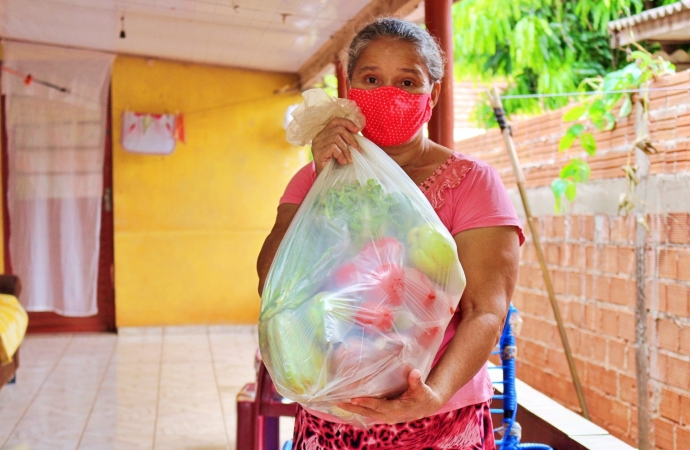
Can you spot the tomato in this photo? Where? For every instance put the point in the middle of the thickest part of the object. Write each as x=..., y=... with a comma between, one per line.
x=374, y=316
x=386, y=284
x=346, y=275
x=419, y=288
x=380, y=252
x=427, y=335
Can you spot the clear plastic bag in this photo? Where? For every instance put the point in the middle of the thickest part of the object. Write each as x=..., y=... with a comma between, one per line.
x=364, y=282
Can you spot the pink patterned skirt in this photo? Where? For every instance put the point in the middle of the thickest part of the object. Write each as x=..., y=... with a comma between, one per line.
x=467, y=428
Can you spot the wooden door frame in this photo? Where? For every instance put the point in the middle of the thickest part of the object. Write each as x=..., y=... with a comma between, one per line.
x=48, y=322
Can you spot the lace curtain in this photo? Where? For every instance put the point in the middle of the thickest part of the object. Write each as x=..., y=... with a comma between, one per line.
x=55, y=150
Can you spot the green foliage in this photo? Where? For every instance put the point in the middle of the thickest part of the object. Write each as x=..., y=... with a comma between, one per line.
x=537, y=46
x=596, y=112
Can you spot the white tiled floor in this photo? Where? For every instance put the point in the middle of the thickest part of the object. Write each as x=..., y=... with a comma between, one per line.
x=148, y=388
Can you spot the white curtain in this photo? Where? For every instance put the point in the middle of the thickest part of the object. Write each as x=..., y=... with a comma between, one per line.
x=55, y=148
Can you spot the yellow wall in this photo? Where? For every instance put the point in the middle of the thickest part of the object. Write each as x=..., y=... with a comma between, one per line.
x=189, y=226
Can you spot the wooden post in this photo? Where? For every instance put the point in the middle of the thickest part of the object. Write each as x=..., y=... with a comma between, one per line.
x=641, y=335
x=439, y=22
x=520, y=179
x=342, y=78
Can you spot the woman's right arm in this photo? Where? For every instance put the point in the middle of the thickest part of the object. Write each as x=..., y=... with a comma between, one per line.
x=286, y=212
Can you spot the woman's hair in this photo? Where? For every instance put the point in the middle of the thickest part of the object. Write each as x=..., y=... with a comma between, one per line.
x=392, y=28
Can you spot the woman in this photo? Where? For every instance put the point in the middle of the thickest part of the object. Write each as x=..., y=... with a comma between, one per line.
x=394, y=68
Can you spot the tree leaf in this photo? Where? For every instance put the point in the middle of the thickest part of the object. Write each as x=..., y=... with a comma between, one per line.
x=574, y=113
x=566, y=142
x=558, y=187
x=589, y=143
x=571, y=191
x=626, y=107
x=576, y=170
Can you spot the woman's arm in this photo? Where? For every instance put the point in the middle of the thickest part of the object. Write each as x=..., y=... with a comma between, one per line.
x=286, y=212
x=489, y=257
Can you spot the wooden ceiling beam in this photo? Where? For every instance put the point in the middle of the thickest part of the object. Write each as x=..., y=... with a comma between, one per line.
x=313, y=69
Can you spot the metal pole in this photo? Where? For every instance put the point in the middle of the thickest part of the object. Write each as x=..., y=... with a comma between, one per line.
x=520, y=179
x=439, y=21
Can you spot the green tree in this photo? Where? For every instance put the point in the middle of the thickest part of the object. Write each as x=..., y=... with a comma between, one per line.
x=536, y=46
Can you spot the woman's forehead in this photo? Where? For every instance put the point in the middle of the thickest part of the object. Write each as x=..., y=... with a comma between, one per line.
x=391, y=54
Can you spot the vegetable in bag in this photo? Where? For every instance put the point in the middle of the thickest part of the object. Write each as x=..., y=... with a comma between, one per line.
x=364, y=282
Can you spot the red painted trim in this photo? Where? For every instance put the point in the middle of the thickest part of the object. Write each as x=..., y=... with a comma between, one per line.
x=439, y=22
x=5, y=207
x=341, y=74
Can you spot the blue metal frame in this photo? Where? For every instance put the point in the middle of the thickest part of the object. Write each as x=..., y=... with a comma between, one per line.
x=510, y=428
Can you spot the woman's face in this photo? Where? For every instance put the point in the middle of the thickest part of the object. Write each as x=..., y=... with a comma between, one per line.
x=392, y=62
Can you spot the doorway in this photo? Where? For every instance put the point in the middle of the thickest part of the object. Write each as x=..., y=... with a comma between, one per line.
x=104, y=320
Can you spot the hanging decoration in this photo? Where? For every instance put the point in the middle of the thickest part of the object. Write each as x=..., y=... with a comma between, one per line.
x=154, y=134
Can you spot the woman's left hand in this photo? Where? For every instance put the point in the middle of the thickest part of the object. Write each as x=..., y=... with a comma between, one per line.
x=418, y=401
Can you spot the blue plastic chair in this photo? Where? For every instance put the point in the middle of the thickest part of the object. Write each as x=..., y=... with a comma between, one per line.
x=510, y=430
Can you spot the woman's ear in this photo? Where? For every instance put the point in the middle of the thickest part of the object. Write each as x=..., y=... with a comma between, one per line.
x=435, y=93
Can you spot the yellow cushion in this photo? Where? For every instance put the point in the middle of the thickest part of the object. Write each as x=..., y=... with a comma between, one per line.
x=13, y=323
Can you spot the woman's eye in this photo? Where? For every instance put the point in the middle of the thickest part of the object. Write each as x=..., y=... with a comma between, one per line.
x=407, y=83
x=371, y=80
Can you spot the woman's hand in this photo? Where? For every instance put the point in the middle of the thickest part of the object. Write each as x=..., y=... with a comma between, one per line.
x=418, y=401
x=332, y=142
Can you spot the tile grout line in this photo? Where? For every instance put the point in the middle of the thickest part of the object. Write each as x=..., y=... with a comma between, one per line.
x=98, y=391
x=158, y=389
x=33, y=397
x=220, y=397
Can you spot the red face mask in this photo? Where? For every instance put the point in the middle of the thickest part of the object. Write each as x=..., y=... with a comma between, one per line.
x=393, y=115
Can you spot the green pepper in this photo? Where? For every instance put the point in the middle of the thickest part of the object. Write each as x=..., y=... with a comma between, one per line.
x=431, y=252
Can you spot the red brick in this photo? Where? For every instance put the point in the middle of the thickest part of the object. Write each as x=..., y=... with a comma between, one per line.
x=557, y=362
x=663, y=434
x=626, y=326
x=683, y=437
x=677, y=299
x=669, y=334
x=667, y=263
x=670, y=405
x=579, y=257
x=622, y=291
x=559, y=226
x=678, y=228
x=685, y=408
x=587, y=228
x=600, y=378
x=577, y=313
x=683, y=264
x=658, y=228
x=631, y=359
x=678, y=373
x=608, y=321
x=592, y=257
x=575, y=284
x=659, y=371
x=620, y=416
x=626, y=260
x=662, y=297
x=628, y=389
x=618, y=230
x=534, y=353
x=591, y=316
x=616, y=353
x=684, y=340
x=552, y=254
x=610, y=259
x=558, y=278
x=602, y=288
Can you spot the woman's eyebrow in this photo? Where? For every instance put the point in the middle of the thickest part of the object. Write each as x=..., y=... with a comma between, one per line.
x=366, y=68
x=413, y=71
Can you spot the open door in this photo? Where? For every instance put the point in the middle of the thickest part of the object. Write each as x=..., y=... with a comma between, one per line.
x=104, y=320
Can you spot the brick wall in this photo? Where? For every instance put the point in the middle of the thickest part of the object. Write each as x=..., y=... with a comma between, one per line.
x=592, y=263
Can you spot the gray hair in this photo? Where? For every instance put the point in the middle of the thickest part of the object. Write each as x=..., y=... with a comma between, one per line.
x=393, y=28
